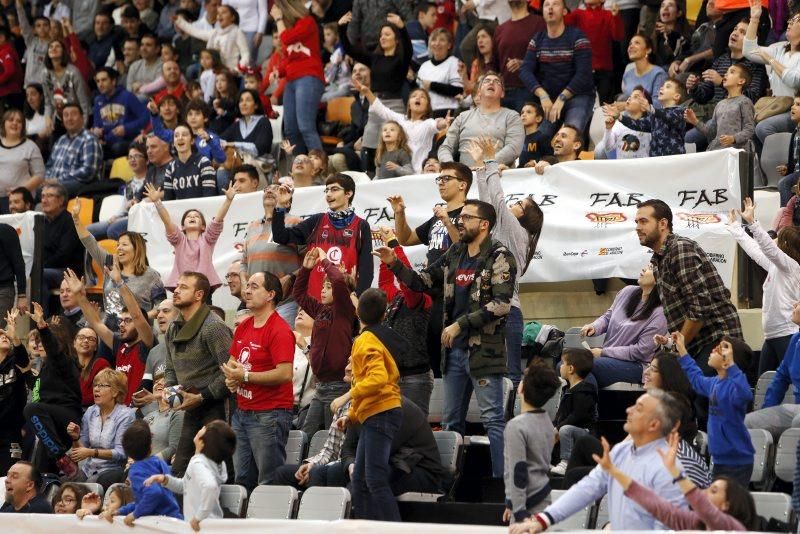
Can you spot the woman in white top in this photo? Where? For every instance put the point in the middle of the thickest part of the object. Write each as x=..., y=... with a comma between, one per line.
x=253, y=16
x=420, y=128
x=21, y=163
x=228, y=38
x=783, y=67
x=439, y=75
x=781, y=288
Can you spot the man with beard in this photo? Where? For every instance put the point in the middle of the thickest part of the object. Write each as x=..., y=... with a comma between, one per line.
x=233, y=277
x=566, y=147
x=197, y=345
x=135, y=338
x=695, y=300
x=479, y=283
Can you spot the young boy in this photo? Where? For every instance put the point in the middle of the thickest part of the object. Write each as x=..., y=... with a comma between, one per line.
x=536, y=144
x=528, y=444
x=148, y=500
x=733, y=122
x=576, y=413
x=376, y=405
x=729, y=395
x=206, y=473
x=332, y=336
x=207, y=142
x=619, y=141
x=666, y=125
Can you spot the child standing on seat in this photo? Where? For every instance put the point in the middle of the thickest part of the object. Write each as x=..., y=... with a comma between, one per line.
x=527, y=445
x=576, y=412
x=393, y=156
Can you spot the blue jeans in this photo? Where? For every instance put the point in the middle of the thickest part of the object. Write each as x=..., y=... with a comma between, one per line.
x=418, y=388
x=372, y=494
x=73, y=186
x=576, y=111
x=260, y=444
x=288, y=311
x=698, y=138
x=785, y=186
x=514, y=328
x=567, y=436
x=458, y=387
x=300, y=105
x=739, y=473
x=319, y=416
x=223, y=180
x=108, y=230
x=610, y=370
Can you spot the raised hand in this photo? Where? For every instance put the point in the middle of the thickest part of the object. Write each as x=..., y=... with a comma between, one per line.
x=115, y=273
x=387, y=234
x=755, y=9
x=311, y=258
x=668, y=456
x=153, y=193
x=287, y=147
x=394, y=18
x=733, y=217
x=690, y=117
x=604, y=461
x=231, y=191
x=91, y=502
x=76, y=209
x=74, y=283
x=38, y=315
x=11, y=321
x=346, y=18
x=385, y=254
x=680, y=342
x=749, y=211
x=396, y=201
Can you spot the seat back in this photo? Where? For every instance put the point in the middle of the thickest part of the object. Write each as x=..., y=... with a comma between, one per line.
x=92, y=487
x=436, y=404
x=339, y=109
x=449, y=445
x=701, y=442
x=762, y=442
x=112, y=204
x=296, y=446
x=774, y=153
x=579, y=521
x=786, y=454
x=272, y=502
x=233, y=497
x=87, y=209
x=317, y=441
x=761, y=391
x=771, y=505
x=574, y=340
x=551, y=406
x=327, y=504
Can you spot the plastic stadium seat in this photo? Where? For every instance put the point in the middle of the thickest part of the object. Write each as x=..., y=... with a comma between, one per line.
x=602, y=513
x=272, y=502
x=233, y=497
x=326, y=504
x=109, y=491
x=574, y=340
x=92, y=487
x=773, y=505
x=317, y=442
x=774, y=153
x=579, y=521
x=762, y=442
x=358, y=177
x=338, y=110
x=761, y=391
x=436, y=404
x=296, y=446
x=449, y=444
x=551, y=406
x=786, y=454
x=112, y=204
x=701, y=443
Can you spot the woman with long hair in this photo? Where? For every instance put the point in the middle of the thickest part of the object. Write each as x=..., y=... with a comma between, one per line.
x=36, y=126
x=641, y=71
x=67, y=499
x=143, y=280
x=483, y=61
x=519, y=227
x=63, y=83
x=226, y=98
x=225, y=37
x=21, y=163
x=629, y=324
x=302, y=68
x=252, y=131
x=672, y=33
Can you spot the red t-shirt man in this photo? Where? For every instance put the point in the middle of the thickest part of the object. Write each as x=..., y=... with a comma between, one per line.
x=263, y=349
x=130, y=359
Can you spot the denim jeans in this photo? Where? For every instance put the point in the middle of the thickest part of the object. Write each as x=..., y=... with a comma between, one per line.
x=301, y=99
x=329, y=475
x=458, y=387
x=739, y=473
x=260, y=444
x=576, y=111
x=51, y=279
x=514, y=328
x=73, y=187
x=785, y=186
x=698, y=138
x=108, y=230
x=608, y=370
x=418, y=388
x=516, y=97
x=372, y=494
x=775, y=124
x=288, y=311
x=567, y=435
x=319, y=415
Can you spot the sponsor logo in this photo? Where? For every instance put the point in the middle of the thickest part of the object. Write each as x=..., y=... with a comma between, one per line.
x=610, y=251
x=348, y=233
x=335, y=255
x=601, y=220
x=694, y=220
x=464, y=278
x=574, y=253
x=716, y=257
x=537, y=255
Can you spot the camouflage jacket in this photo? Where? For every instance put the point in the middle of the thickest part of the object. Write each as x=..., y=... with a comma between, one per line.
x=490, y=300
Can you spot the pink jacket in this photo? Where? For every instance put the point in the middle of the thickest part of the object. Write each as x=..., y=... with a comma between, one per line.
x=784, y=217
x=194, y=254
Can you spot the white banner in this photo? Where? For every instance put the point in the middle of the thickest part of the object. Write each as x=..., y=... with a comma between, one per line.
x=589, y=209
x=23, y=224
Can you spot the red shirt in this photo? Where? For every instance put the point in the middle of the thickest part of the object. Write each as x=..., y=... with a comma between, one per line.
x=445, y=14
x=130, y=359
x=177, y=93
x=262, y=349
x=511, y=40
x=301, y=51
x=601, y=27
x=87, y=393
x=341, y=245
x=11, y=72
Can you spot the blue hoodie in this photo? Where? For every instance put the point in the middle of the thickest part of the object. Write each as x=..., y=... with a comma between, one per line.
x=728, y=439
x=788, y=373
x=123, y=108
x=154, y=499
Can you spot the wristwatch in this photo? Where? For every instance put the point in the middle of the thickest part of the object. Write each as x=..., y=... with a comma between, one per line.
x=562, y=97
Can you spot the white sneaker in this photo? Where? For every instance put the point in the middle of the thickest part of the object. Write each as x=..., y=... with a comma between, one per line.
x=559, y=469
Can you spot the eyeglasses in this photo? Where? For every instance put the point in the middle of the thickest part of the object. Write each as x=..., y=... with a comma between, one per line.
x=231, y=276
x=102, y=386
x=125, y=320
x=81, y=337
x=444, y=178
x=488, y=81
x=135, y=156
x=68, y=499
x=467, y=217
x=332, y=190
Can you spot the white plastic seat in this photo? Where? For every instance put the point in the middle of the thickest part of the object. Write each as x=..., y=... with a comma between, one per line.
x=774, y=153
x=272, y=502
x=761, y=391
x=327, y=504
x=771, y=505
x=762, y=461
x=436, y=404
x=786, y=454
x=112, y=204
x=296, y=446
x=579, y=521
x=233, y=497
x=449, y=444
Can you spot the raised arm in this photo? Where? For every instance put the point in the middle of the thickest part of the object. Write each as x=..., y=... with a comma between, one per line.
x=76, y=288
x=154, y=194
x=401, y=229
x=142, y=323
x=229, y=193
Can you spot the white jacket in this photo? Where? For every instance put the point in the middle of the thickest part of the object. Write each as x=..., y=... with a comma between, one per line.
x=200, y=487
x=230, y=41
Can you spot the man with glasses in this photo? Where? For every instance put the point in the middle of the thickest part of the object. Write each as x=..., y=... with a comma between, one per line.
x=438, y=233
x=345, y=237
x=488, y=118
x=132, y=343
x=477, y=276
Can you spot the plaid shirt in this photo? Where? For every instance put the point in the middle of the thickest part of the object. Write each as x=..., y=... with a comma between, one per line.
x=75, y=158
x=690, y=288
x=332, y=448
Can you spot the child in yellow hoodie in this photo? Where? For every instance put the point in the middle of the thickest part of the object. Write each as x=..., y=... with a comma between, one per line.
x=376, y=406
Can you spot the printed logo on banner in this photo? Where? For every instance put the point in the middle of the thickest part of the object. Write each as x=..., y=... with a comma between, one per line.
x=601, y=220
x=574, y=253
x=609, y=251
x=716, y=257
x=694, y=220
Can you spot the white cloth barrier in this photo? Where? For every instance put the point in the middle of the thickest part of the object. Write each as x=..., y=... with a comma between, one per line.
x=589, y=209
x=23, y=224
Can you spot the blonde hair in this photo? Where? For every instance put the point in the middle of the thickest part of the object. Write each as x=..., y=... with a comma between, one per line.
x=116, y=379
x=402, y=142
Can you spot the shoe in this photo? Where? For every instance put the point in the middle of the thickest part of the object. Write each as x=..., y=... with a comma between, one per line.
x=559, y=469
x=67, y=466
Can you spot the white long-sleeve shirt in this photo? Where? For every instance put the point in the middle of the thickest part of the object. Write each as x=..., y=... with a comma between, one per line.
x=782, y=285
x=493, y=9
x=252, y=14
x=230, y=41
x=789, y=83
x=200, y=487
x=420, y=133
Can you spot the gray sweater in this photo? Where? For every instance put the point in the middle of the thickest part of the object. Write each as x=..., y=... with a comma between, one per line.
x=507, y=229
x=141, y=72
x=732, y=116
x=528, y=444
x=401, y=157
x=503, y=124
x=166, y=429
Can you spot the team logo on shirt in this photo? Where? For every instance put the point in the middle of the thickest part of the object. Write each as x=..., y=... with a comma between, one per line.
x=335, y=254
